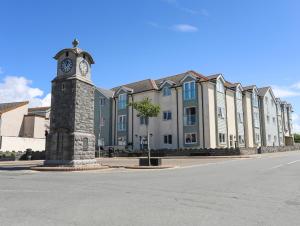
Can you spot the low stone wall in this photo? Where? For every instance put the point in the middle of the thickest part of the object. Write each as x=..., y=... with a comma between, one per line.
x=20, y=155
x=279, y=149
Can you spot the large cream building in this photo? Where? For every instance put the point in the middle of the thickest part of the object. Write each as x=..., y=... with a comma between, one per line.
x=197, y=111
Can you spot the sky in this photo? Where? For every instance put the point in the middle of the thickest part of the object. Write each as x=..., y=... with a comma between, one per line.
x=251, y=42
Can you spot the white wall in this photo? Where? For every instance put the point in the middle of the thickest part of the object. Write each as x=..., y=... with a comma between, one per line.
x=21, y=144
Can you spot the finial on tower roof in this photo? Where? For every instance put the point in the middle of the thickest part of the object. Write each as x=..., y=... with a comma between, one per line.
x=75, y=43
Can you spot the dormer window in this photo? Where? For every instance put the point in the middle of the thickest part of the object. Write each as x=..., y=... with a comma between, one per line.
x=122, y=101
x=220, y=86
x=255, y=100
x=189, y=90
x=239, y=95
x=166, y=91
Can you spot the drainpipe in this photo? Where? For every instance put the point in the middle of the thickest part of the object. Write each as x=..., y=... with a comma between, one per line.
x=132, y=124
x=202, y=104
x=177, y=120
x=115, y=118
x=226, y=116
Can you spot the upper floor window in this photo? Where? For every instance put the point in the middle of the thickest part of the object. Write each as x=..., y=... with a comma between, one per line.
x=274, y=120
x=256, y=119
x=102, y=101
x=240, y=117
x=239, y=95
x=166, y=91
x=267, y=100
x=221, y=112
x=241, y=139
x=190, y=116
x=122, y=101
x=167, y=115
x=220, y=86
x=255, y=100
x=144, y=120
x=268, y=118
x=121, y=122
x=102, y=121
x=189, y=90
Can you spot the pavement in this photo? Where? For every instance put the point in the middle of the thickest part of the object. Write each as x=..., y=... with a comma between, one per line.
x=260, y=190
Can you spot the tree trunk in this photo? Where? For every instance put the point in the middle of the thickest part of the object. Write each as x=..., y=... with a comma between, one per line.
x=148, y=144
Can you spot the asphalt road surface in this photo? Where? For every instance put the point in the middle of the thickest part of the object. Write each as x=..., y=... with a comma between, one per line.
x=257, y=191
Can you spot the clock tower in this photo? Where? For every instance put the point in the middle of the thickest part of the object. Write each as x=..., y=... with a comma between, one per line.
x=71, y=139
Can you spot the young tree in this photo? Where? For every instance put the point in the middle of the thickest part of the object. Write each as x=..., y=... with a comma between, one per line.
x=297, y=138
x=147, y=110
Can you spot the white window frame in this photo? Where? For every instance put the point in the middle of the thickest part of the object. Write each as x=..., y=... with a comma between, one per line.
x=223, y=140
x=221, y=112
x=189, y=93
x=220, y=86
x=185, y=136
x=122, y=101
x=122, y=127
x=168, y=115
x=185, y=116
x=166, y=91
x=168, y=139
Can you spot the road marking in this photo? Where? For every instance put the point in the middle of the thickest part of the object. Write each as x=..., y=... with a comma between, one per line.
x=281, y=165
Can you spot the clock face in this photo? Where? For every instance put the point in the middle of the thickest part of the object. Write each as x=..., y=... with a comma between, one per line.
x=66, y=65
x=84, y=67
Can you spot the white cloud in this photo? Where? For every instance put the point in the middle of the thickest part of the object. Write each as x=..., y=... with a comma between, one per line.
x=184, y=28
x=296, y=85
x=296, y=123
x=14, y=88
x=282, y=91
x=176, y=4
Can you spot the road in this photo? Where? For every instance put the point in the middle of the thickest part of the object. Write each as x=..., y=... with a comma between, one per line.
x=256, y=191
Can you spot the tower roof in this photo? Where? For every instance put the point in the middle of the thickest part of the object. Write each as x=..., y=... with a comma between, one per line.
x=77, y=51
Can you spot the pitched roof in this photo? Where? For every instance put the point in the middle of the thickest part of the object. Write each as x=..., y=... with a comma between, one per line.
x=251, y=87
x=39, y=109
x=5, y=107
x=139, y=86
x=106, y=92
x=263, y=91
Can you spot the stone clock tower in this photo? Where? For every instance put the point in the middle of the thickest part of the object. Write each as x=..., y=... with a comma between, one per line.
x=71, y=139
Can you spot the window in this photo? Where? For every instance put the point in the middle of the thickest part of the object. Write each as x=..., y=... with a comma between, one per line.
x=257, y=137
x=268, y=118
x=222, y=138
x=166, y=91
x=274, y=120
x=189, y=90
x=241, y=139
x=67, y=54
x=102, y=121
x=144, y=120
x=121, y=141
x=102, y=101
x=267, y=100
x=121, y=122
x=220, y=86
x=240, y=117
x=189, y=116
x=256, y=119
x=190, y=138
x=122, y=101
x=63, y=87
x=272, y=102
x=239, y=95
x=255, y=100
x=167, y=139
x=167, y=115
x=221, y=112
x=269, y=137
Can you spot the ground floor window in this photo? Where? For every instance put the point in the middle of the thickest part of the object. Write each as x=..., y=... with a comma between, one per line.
x=241, y=139
x=167, y=139
x=257, y=138
x=190, y=138
x=121, y=141
x=222, y=138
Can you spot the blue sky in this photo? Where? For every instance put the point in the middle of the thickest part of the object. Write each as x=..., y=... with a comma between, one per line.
x=252, y=42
